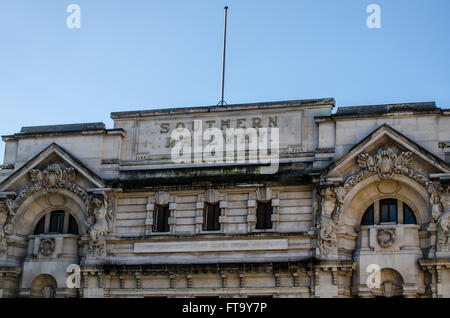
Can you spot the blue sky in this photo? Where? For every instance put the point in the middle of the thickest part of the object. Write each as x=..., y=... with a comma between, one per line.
x=144, y=54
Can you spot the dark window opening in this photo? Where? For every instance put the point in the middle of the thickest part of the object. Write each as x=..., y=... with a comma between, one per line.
x=211, y=214
x=40, y=227
x=388, y=210
x=368, y=218
x=264, y=215
x=161, y=218
x=408, y=215
x=73, y=226
x=56, y=222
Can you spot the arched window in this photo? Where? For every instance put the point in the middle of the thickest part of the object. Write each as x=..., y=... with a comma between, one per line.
x=57, y=222
x=367, y=218
x=40, y=227
x=388, y=211
x=408, y=215
x=73, y=226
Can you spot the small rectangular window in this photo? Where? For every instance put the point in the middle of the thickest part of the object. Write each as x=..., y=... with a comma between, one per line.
x=264, y=215
x=161, y=218
x=211, y=215
x=56, y=222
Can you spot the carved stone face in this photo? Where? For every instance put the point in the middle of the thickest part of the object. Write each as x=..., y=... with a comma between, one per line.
x=99, y=212
x=98, y=203
x=328, y=207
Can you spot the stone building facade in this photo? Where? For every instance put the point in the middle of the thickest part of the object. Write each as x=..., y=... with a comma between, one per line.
x=359, y=206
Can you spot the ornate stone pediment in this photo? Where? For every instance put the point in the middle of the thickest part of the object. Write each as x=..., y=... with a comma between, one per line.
x=51, y=168
x=54, y=170
x=50, y=179
x=384, y=152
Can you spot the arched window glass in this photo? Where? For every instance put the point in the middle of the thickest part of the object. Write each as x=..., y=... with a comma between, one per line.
x=73, y=226
x=57, y=222
x=368, y=218
x=40, y=227
x=408, y=215
x=388, y=210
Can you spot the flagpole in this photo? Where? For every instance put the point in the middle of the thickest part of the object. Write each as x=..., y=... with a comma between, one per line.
x=223, y=56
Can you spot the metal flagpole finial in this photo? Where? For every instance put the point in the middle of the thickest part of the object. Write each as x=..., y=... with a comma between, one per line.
x=223, y=57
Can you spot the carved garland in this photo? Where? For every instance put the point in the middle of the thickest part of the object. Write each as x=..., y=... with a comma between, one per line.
x=385, y=163
x=386, y=237
x=47, y=246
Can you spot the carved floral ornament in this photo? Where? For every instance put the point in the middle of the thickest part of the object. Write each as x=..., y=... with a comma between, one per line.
x=385, y=163
x=47, y=246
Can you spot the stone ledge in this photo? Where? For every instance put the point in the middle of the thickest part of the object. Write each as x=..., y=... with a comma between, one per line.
x=211, y=246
